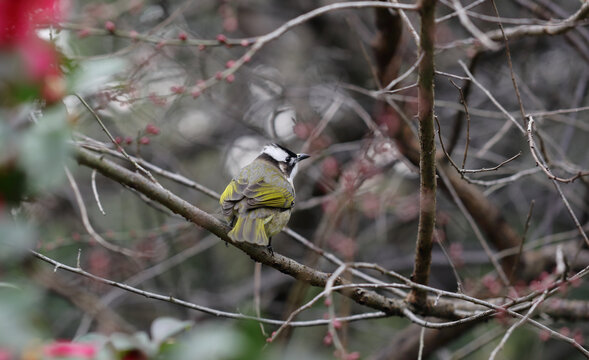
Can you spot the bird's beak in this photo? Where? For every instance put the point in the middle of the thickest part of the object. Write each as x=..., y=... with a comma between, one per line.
x=302, y=157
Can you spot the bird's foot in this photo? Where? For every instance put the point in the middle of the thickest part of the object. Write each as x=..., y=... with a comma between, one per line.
x=270, y=250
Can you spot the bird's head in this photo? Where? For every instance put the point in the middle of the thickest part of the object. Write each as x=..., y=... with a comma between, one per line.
x=286, y=160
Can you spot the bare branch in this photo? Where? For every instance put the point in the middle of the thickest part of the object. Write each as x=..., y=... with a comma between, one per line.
x=427, y=151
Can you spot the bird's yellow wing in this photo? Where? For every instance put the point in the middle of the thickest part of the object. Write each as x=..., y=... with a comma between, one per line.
x=258, y=195
x=263, y=194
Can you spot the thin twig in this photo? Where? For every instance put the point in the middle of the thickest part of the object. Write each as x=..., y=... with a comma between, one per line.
x=540, y=162
x=467, y=114
x=459, y=286
x=331, y=309
x=465, y=21
x=510, y=64
x=470, y=171
x=474, y=226
x=516, y=325
x=455, y=13
x=257, y=293
x=88, y=226
x=119, y=147
x=404, y=75
x=327, y=117
x=421, y=343
x=555, y=180
x=407, y=22
x=151, y=295
x=521, y=244
x=490, y=96
x=100, y=147
x=95, y=191
x=554, y=28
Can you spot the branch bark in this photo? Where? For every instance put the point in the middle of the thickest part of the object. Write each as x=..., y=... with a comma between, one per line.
x=427, y=156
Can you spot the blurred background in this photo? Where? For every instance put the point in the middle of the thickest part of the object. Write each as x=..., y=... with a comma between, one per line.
x=159, y=75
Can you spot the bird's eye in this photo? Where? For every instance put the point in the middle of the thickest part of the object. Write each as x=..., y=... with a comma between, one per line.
x=287, y=160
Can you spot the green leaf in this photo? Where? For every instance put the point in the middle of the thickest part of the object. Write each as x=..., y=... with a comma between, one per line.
x=138, y=341
x=95, y=73
x=211, y=342
x=44, y=150
x=15, y=239
x=165, y=327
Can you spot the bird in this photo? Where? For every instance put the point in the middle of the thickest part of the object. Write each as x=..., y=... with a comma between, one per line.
x=257, y=203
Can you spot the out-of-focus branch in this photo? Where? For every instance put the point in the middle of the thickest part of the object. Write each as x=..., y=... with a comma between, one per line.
x=107, y=319
x=530, y=30
x=427, y=154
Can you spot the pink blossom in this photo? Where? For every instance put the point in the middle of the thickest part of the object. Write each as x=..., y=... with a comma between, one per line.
x=177, y=89
x=4, y=354
x=152, y=129
x=110, y=26
x=18, y=19
x=328, y=339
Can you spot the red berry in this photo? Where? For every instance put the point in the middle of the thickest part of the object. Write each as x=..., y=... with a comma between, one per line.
x=196, y=93
x=182, y=36
x=110, y=26
x=230, y=78
x=118, y=139
x=144, y=140
x=222, y=38
x=229, y=64
x=128, y=140
x=247, y=58
x=244, y=42
x=219, y=75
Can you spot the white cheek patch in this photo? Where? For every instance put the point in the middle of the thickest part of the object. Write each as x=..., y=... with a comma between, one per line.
x=276, y=153
x=293, y=173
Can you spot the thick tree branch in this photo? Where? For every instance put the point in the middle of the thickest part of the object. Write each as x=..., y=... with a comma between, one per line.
x=427, y=155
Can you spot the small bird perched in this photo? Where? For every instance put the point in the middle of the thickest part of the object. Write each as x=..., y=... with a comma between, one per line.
x=258, y=201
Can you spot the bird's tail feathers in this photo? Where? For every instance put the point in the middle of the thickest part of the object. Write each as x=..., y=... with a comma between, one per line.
x=250, y=230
